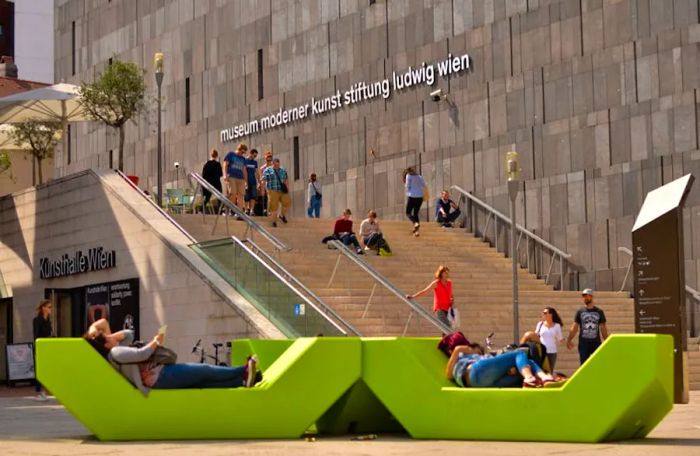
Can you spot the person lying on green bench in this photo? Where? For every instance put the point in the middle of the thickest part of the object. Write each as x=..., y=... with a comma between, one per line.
x=468, y=366
x=145, y=371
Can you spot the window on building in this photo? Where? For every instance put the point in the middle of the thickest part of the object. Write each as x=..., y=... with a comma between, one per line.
x=72, y=41
x=111, y=159
x=68, y=144
x=296, y=158
x=187, y=101
x=121, y=160
x=260, y=74
x=109, y=62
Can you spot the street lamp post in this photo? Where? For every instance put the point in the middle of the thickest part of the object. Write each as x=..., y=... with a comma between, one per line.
x=158, y=64
x=513, y=172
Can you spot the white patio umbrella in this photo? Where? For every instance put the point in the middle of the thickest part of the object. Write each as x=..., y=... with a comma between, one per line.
x=58, y=103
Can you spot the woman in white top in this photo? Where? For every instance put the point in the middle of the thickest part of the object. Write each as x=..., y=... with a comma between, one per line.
x=549, y=330
x=313, y=197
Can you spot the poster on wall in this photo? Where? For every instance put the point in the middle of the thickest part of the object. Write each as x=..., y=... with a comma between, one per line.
x=124, y=305
x=117, y=301
x=20, y=362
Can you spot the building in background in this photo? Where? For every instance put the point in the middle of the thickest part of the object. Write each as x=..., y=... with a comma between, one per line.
x=7, y=21
x=34, y=39
x=599, y=98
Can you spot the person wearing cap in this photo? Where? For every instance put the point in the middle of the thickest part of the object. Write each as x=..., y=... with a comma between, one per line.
x=275, y=178
x=592, y=323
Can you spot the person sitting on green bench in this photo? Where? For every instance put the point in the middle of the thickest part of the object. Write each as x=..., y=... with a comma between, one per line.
x=137, y=365
x=468, y=366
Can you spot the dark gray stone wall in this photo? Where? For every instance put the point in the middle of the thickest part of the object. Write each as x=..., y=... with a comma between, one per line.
x=599, y=97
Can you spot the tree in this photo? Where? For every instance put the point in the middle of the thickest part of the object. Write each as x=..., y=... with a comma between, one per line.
x=116, y=97
x=39, y=138
x=5, y=162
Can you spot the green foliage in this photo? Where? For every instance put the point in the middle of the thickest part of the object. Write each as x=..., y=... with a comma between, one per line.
x=39, y=137
x=116, y=96
x=5, y=162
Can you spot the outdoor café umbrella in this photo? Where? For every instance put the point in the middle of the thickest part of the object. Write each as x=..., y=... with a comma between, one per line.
x=57, y=103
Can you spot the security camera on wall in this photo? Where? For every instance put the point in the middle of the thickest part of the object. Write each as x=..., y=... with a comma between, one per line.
x=177, y=165
x=436, y=95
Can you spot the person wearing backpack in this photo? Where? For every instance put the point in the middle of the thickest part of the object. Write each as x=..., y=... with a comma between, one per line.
x=549, y=330
x=314, y=197
x=148, y=367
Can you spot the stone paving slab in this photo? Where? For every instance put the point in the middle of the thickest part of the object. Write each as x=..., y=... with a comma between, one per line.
x=28, y=427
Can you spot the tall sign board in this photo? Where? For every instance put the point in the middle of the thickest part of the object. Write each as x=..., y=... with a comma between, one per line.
x=659, y=275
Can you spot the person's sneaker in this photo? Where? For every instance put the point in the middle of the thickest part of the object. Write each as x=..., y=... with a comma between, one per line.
x=41, y=397
x=448, y=225
x=274, y=224
x=283, y=218
x=366, y=249
x=359, y=251
x=251, y=371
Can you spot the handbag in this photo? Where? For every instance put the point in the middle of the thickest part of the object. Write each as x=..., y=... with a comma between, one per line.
x=283, y=186
x=426, y=193
x=318, y=194
x=163, y=355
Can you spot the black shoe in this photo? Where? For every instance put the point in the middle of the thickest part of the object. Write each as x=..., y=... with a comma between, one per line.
x=283, y=218
x=274, y=224
x=359, y=251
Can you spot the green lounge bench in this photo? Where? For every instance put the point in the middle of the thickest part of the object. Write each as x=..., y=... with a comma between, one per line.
x=298, y=387
x=622, y=392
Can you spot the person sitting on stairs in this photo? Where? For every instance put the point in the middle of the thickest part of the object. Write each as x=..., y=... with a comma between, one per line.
x=372, y=235
x=342, y=231
x=444, y=213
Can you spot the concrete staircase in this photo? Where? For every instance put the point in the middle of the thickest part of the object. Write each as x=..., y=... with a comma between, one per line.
x=481, y=280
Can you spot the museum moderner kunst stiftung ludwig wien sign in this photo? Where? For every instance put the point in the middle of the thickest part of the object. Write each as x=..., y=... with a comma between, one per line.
x=425, y=74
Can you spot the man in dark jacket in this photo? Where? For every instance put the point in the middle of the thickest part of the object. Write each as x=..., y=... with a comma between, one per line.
x=211, y=173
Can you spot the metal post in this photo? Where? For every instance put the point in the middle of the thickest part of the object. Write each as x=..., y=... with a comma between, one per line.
x=513, y=171
x=159, y=82
x=158, y=60
x=513, y=193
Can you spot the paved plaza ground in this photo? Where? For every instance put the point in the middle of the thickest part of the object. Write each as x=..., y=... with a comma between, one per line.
x=28, y=427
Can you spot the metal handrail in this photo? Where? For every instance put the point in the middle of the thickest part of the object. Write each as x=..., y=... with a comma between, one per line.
x=382, y=280
x=251, y=224
x=529, y=235
x=154, y=204
x=326, y=308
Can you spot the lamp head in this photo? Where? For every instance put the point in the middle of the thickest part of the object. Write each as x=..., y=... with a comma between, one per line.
x=159, y=62
x=177, y=165
x=512, y=166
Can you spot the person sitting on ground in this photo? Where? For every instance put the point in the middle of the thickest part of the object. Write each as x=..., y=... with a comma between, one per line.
x=444, y=213
x=469, y=367
x=342, y=231
x=372, y=235
x=137, y=364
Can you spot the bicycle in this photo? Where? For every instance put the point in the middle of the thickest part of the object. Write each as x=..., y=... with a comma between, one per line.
x=204, y=356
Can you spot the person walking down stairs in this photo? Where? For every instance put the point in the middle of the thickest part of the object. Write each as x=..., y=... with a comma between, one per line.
x=415, y=190
x=275, y=178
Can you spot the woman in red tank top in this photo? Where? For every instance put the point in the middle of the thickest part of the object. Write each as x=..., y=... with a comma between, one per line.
x=442, y=294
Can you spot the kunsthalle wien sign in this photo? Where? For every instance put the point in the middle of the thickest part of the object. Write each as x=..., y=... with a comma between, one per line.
x=357, y=93
x=94, y=259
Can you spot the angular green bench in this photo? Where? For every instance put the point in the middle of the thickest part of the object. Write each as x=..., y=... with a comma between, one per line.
x=298, y=387
x=369, y=385
x=622, y=392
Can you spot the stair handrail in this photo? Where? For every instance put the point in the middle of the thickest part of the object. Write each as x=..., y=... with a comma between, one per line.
x=556, y=252
x=386, y=283
x=154, y=204
x=251, y=224
x=292, y=278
